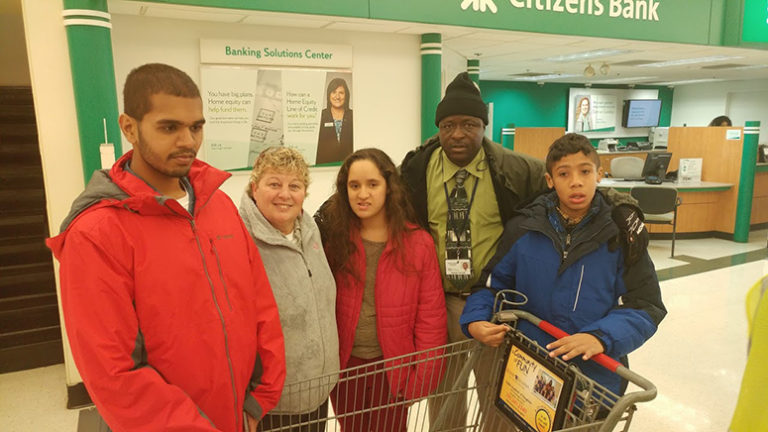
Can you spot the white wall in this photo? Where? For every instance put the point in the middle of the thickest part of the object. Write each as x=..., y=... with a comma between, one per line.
x=386, y=68
x=698, y=104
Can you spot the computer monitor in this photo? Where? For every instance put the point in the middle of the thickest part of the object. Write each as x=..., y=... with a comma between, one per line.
x=656, y=164
x=639, y=113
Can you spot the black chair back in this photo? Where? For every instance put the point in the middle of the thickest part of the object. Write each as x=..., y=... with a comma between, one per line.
x=655, y=199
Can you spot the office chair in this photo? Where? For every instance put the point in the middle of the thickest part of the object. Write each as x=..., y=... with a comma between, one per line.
x=627, y=167
x=659, y=205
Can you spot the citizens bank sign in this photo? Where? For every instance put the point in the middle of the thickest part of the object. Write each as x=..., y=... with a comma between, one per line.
x=644, y=10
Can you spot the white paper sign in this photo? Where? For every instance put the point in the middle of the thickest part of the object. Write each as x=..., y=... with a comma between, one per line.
x=690, y=170
x=733, y=134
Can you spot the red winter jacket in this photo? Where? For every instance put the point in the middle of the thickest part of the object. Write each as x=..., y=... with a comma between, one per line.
x=410, y=310
x=170, y=317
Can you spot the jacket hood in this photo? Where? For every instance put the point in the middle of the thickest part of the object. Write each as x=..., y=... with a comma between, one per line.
x=117, y=187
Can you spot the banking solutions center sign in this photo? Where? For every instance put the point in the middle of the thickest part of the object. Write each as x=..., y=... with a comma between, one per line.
x=259, y=94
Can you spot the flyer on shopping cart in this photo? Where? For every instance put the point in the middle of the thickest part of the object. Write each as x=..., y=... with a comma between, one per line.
x=533, y=393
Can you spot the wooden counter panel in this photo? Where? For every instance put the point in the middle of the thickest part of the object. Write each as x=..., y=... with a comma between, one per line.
x=721, y=157
x=691, y=219
x=536, y=141
x=760, y=199
x=759, y=210
x=701, y=197
x=704, y=217
x=761, y=184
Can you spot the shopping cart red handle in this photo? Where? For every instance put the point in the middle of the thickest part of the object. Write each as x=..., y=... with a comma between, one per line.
x=647, y=393
x=601, y=359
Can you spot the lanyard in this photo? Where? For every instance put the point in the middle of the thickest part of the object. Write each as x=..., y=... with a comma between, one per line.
x=448, y=202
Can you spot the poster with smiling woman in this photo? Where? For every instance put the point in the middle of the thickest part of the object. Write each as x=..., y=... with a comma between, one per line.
x=583, y=117
x=592, y=112
x=335, y=138
x=249, y=109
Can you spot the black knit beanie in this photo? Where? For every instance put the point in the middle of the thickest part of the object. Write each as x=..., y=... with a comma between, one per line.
x=462, y=96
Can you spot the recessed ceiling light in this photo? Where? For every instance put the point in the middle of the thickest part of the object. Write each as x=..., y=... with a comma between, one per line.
x=586, y=55
x=547, y=77
x=680, y=62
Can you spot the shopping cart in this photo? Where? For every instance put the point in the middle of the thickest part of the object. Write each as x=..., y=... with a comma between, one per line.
x=479, y=399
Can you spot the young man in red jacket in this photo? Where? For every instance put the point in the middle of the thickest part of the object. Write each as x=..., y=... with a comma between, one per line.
x=167, y=306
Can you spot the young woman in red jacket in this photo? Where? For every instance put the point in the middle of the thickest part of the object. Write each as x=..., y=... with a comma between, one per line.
x=389, y=300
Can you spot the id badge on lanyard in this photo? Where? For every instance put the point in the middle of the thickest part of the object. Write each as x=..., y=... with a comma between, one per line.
x=458, y=242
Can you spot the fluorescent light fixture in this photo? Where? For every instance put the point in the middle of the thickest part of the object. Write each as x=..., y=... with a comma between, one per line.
x=693, y=81
x=587, y=55
x=688, y=61
x=625, y=80
x=547, y=77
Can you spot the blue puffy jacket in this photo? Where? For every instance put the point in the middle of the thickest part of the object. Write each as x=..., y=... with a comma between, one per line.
x=576, y=281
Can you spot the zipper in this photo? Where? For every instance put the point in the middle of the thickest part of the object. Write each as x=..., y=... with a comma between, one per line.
x=221, y=274
x=567, y=246
x=221, y=316
x=578, y=290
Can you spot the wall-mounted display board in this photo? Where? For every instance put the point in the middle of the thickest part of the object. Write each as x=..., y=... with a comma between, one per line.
x=268, y=97
x=597, y=112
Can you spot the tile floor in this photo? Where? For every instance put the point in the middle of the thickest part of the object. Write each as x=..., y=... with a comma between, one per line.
x=696, y=358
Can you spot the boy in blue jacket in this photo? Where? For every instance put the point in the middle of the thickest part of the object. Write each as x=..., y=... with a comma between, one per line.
x=558, y=252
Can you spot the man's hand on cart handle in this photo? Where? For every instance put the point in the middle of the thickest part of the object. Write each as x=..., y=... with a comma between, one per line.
x=583, y=344
x=487, y=333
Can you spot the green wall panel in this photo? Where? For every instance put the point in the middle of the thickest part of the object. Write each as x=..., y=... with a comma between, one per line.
x=755, y=21
x=530, y=105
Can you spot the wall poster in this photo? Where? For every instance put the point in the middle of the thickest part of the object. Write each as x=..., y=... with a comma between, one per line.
x=594, y=113
x=249, y=107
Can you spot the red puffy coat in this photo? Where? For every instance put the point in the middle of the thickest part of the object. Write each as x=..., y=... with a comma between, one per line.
x=410, y=310
x=170, y=317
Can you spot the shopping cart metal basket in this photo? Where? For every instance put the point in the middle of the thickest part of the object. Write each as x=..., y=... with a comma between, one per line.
x=484, y=397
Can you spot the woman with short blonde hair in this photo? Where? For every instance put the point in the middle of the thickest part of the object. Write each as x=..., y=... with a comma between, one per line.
x=289, y=242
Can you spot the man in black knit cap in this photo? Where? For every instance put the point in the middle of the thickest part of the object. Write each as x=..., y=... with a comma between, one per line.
x=464, y=188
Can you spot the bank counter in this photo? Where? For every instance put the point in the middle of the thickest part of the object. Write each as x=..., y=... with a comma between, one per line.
x=710, y=207
x=700, y=209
